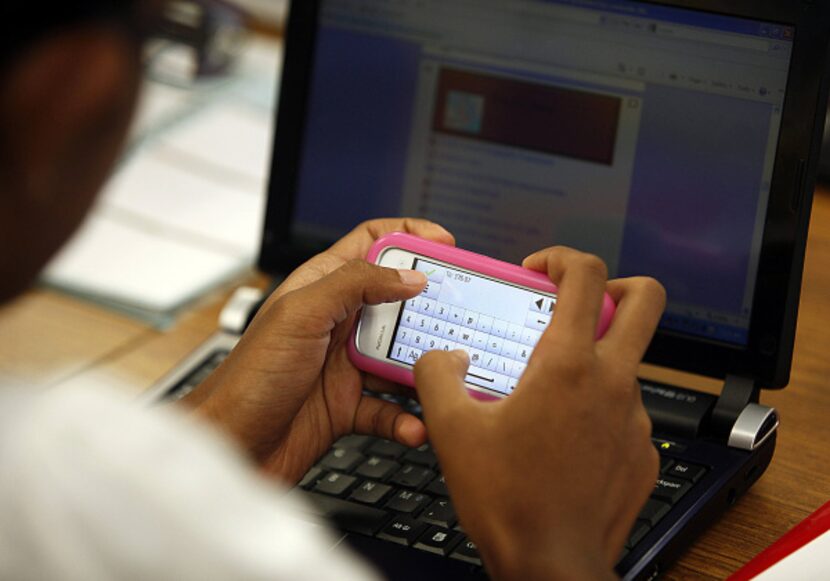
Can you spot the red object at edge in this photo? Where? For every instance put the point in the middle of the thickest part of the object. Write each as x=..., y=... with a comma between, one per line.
x=806, y=531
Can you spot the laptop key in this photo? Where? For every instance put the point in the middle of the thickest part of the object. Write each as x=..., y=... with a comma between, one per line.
x=353, y=442
x=423, y=455
x=637, y=533
x=369, y=492
x=653, y=511
x=387, y=449
x=438, y=487
x=686, y=471
x=440, y=512
x=348, y=516
x=342, y=460
x=438, y=540
x=403, y=530
x=311, y=477
x=377, y=468
x=408, y=502
x=335, y=484
x=665, y=464
x=670, y=489
x=411, y=476
x=467, y=551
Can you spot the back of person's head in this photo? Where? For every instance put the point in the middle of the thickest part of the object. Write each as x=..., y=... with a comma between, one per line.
x=26, y=22
x=70, y=75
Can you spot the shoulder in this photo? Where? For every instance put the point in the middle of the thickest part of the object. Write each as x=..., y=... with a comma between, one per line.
x=98, y=485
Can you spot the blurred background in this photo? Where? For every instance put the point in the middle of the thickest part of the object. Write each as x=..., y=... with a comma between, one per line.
x=183, y=213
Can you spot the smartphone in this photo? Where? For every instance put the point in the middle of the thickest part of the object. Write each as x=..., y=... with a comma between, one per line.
x=494, y=310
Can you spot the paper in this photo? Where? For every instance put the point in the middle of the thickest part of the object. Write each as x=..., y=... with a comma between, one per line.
x=808, y=563
x=208, y=136
x=184, y=212
x=142, y=268
x=193, y=206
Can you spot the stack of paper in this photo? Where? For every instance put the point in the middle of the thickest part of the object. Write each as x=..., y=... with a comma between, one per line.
x=184, y=212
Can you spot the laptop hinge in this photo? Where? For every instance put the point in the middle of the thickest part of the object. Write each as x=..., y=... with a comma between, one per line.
x=738, y=392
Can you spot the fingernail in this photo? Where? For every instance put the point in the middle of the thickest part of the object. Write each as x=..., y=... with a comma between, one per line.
x=462, y=356
x=412, y=277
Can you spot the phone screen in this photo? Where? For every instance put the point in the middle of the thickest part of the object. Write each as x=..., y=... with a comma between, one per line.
x=497, y=323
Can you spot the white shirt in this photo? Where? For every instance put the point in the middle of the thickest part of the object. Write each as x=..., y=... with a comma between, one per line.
x=94, y=487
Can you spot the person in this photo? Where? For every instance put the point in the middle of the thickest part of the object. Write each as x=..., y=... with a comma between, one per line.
x=547, y=482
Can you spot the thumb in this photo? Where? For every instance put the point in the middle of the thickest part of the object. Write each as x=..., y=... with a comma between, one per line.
x=330, y=300
x=439, y=379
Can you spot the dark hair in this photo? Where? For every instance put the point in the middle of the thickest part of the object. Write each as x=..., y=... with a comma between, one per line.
x=25, y=21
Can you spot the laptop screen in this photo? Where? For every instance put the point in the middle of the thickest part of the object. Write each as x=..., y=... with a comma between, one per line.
x=642, y=133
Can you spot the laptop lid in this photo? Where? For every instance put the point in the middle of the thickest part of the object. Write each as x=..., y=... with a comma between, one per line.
x=674, y=139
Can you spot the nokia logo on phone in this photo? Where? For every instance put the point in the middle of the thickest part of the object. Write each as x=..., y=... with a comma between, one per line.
x=380, y=338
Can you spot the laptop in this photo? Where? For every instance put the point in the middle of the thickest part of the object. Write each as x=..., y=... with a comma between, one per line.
x=677, y=139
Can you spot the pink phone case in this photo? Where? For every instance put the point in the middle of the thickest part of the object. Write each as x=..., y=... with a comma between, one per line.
x=468, y=260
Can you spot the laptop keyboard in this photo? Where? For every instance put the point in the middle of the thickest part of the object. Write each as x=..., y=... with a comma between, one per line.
x=379, y=488
x=375, y=487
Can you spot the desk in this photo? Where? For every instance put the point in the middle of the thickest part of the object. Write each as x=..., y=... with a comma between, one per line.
x=55, y=341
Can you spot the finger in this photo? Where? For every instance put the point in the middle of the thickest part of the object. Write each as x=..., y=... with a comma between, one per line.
x=581, y=279
x=640, y=304
x=356, y=244
x=329, y=301
x=376, y=417
x=439, y=380
x=378, y=385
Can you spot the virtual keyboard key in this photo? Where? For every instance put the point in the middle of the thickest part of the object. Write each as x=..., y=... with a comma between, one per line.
x=402, y=530
x=476, y=357
x=499, y=328
x=438, y=540
x=530, y=337
x=411, y=476
x=514, y=333
x=408, y=502
x=509, y=349
x=537, y=321
x=480, y=340
x=427, y=306
x=467, y=551
x=670, y=489
x=452, y=332
x=431, y=291
x=470, y=319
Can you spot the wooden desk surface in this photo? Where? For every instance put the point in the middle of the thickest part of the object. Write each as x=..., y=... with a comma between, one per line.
x=52, y=340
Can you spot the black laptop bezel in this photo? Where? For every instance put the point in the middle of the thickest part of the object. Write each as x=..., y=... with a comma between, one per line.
x=767, y=358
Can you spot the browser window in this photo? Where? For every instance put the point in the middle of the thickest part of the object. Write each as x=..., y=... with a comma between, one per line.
x=641, y=133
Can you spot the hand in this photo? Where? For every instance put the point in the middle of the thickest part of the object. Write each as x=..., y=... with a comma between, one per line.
x=288, y=390
x=548, y=482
